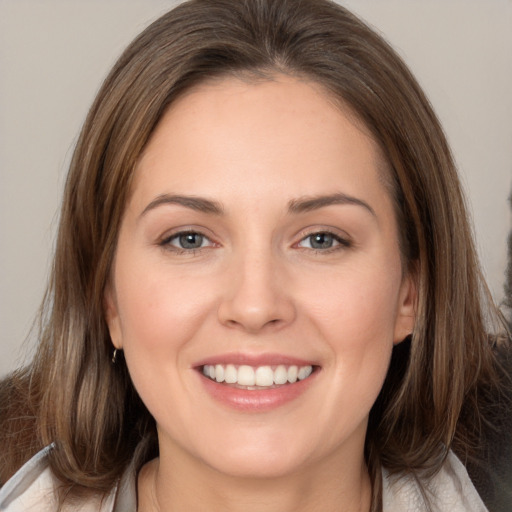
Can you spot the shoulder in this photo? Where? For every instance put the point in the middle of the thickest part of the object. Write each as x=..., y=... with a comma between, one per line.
x=450, y=490
x=18, y=432
x=34, y=488
x=31, y=487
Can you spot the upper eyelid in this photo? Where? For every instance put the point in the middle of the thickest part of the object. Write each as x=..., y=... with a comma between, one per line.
x=313, y=230
x=166, y=244
x=182, y=233
x=340, y=235
x=183, y=230
x=344, y=241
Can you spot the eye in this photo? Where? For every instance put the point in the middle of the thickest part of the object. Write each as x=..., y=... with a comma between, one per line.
x=187, y=241
x=323, y=241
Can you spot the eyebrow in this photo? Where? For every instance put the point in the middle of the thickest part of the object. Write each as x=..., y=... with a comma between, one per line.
x=295, y=206
x=199, y=204
x=307, y=204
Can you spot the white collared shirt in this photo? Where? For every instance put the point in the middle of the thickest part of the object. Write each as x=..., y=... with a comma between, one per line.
x=32, y=489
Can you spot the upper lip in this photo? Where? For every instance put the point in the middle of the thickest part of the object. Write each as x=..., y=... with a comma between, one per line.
x=255, y=360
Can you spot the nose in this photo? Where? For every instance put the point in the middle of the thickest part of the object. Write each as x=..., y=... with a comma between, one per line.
x=256, y=295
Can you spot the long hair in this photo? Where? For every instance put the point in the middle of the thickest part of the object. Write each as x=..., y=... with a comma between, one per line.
x=88, y=407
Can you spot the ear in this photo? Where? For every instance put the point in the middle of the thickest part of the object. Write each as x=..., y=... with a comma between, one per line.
x=406, y=308
x=112, y=317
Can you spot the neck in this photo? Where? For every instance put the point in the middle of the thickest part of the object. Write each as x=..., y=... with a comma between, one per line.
x=328, y=486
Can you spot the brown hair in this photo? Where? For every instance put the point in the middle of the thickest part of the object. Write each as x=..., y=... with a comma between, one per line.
x=429, y=403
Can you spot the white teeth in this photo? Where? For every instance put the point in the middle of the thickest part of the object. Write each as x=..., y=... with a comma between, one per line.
x=246, y=376
x=231, y=374
x=264, y=376
x=219, y=373
x=281, y=375
x=292, y=374
x=304, y=372
x=261, y=376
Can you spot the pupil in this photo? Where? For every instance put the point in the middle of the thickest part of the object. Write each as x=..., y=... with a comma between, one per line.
x=321, y=241
x=191, y=241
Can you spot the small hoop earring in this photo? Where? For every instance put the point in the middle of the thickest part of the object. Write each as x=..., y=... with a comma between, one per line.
x=114, y=356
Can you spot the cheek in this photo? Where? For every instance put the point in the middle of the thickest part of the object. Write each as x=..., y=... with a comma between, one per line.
x=356, y=314
x=159, y=315
x=159, y=311
x=358, y=307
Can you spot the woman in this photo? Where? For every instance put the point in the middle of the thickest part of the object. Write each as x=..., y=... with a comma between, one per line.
x=265, y=295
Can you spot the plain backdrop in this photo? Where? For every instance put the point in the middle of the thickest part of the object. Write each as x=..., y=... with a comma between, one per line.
x=55, y=53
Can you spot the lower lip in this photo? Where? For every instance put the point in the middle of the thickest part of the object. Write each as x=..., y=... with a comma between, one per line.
x=257, y=400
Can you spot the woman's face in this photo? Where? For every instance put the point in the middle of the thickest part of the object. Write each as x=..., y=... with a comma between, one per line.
x=259, y=243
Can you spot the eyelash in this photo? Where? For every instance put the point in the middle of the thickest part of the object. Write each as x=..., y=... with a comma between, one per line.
x=166, y=243
x=341, y=243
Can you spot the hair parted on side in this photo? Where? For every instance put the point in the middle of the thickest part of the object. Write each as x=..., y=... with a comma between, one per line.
x=429, y=404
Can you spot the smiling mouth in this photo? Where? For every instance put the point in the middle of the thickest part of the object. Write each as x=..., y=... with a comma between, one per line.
x=256, y=378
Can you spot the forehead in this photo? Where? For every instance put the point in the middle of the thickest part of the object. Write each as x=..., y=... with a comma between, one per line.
x=229, y=119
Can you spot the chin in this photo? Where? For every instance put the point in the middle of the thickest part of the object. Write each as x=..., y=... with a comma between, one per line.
x=273, y=457
x=257, y=466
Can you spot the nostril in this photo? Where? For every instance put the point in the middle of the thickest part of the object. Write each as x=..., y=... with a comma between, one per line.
x=253, y=325
x=255, y=306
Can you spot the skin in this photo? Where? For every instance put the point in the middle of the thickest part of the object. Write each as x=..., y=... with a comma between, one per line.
x=258, y=285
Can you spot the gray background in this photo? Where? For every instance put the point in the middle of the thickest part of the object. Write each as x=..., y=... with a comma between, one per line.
x=54, y=54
